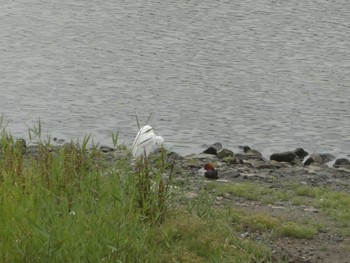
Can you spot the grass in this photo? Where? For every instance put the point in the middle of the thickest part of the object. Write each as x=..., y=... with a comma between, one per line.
x=334, y=204
x=67, y=205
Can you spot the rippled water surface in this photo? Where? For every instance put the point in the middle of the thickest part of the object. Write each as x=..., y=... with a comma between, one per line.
x=271, y=74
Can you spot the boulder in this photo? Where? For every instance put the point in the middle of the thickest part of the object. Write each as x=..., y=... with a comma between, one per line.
x=292, y=157
x=217, y=146
x=250, y=154
x=301, y=153
x=319, y=158
x=288, y=157
x=211, y=150
x=341, y=162
x=105, y=149
x=225, y=153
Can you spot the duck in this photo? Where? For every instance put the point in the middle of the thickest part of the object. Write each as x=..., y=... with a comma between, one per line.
x=210, y=171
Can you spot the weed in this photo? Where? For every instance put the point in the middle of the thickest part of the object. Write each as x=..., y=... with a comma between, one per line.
x=293, y=229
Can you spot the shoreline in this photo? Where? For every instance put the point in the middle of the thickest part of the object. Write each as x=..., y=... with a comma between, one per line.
x=288, y=190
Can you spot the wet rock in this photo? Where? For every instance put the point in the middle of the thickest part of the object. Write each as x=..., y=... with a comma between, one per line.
x=106, y=149
x=217, y=146
x=319, y=158
x=211, y=150
x=301, y=153
x=289, y=157
x=341, y=162
x=293, y=157
x=225, y=153
x=249, y=154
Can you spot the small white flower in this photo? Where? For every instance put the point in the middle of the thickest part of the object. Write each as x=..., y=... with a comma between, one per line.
x=72, y=213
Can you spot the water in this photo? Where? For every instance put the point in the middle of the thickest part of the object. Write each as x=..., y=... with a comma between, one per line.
x=270, y=74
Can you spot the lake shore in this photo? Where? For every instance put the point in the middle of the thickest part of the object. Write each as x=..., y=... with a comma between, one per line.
x=297, y=206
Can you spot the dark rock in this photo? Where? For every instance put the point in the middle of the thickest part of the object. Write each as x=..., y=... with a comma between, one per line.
x=292, y=157
x=309, y=161
x=211, y=150
x=106, y=149
x=225, y=153
x=217, y=146
x=301, y=153
x=341, y=162
x=288, y=157
x=245, y=148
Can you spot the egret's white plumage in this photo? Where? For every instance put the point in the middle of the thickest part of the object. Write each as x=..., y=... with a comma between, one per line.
x=145, y=142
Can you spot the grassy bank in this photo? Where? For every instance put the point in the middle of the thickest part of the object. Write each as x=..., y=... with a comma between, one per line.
x=66, y=205
x=73, y=204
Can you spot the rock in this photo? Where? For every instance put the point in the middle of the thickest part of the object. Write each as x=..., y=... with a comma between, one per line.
x=288, y=157
x=191, y=195
x=106, y=149
x=225, y=153
x=264, y=165
x=232, y=160
x=341, y=162
x=174, y=156
x=292, y=157
x=309, y=161
x=211, y=150
x=32, y=150
x=217, y=146
x=301, y=153
x=250, y=154
x=201, y=156
x=319, y=158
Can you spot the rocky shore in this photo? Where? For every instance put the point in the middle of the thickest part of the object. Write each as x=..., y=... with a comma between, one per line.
x=249, y=165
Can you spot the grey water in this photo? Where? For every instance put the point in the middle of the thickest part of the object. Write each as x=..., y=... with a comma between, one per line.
x=274, y=75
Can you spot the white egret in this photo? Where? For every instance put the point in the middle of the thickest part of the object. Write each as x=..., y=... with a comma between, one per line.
x=145, y=142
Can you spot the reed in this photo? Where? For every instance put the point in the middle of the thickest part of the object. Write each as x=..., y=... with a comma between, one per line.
x=67, y=205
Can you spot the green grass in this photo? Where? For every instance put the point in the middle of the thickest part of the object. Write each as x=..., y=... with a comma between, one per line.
x=69, y=206
x=334, y=204
x=293, y=229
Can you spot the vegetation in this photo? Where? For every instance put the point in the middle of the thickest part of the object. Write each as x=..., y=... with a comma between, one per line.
x=67, y=205
x=334, y=204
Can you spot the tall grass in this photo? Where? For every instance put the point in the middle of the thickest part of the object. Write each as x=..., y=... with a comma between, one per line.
x=65, y=205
